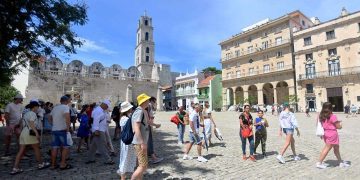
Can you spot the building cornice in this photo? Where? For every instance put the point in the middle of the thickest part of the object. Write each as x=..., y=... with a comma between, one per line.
x=328, y=46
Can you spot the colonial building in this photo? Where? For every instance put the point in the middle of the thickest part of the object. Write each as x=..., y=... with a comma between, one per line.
x=187, y=88
x=95, y=82
x=327, y=59
x=258, y=63
x=210, y=91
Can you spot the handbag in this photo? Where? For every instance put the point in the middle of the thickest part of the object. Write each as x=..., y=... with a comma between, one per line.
x=246, y=132
x=69, y=139
x=32, y=132
x=175, y=119
x=319, y=129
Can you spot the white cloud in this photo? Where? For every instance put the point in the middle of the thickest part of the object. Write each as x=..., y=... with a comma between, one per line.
x=92, y=46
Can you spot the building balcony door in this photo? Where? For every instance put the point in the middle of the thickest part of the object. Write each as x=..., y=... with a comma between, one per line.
x=335, y=97
x=311, y=103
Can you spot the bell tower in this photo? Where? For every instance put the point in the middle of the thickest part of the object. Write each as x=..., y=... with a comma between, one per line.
x=144, y=51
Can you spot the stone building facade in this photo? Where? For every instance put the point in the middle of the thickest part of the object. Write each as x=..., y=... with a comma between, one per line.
x=328, y=63
x=186, y=88
x=54, y=78
x=258, y=64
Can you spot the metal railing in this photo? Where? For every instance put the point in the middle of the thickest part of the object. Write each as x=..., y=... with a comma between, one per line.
x=257, y=72
x=203, y=96
x=185, y=92
x=255, y=50
x=321, y=74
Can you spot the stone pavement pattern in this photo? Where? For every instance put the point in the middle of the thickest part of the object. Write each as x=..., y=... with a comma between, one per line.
x=225, y=158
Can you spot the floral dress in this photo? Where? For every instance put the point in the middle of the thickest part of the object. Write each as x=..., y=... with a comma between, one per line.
x=127, y=161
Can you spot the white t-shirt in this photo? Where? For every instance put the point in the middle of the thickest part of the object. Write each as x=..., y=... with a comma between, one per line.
x=195, y=118
x=30, y=116
x=58, y=116
x=207, y=112
x=100, y=119
x=15, y=111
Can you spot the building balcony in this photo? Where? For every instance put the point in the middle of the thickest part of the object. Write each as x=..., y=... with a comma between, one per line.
x=203, y=96
x=186, y=93
x=257, y=50
x=258, y=72
x=325, y=74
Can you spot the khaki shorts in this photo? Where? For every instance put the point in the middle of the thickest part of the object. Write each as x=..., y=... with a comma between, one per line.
x=141, y=156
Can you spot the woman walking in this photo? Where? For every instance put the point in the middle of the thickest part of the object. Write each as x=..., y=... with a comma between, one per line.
x=127, y=152
x=330, y=123
x=29, y=136
x=181, y=126
x=246, y=125
x=288, y=123
x=84, y=128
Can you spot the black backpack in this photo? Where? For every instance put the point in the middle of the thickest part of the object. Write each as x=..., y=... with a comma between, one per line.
x=127, y=134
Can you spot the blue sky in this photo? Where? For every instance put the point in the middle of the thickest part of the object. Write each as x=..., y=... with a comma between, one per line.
x=186, y=32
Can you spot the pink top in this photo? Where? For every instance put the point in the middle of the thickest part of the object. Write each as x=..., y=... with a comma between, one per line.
x=329, y=124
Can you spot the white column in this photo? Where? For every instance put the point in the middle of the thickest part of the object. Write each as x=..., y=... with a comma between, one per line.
x=129, y=97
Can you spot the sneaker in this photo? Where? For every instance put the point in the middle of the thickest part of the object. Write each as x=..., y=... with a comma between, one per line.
x=321, y=165
x=180, y=143
x=297, y=158
x=201, y=159
x=344, y=164
x=280, y=158
x=187, y=157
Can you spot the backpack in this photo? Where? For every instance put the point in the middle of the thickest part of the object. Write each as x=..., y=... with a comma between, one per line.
x=127, y=134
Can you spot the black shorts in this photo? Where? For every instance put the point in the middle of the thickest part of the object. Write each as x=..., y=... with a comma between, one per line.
x=117, y=123
x=73, y=119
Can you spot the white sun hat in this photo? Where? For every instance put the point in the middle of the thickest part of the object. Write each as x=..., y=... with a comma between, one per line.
x=125, y=106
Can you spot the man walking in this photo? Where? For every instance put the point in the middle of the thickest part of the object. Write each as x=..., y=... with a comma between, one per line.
x=60, y=118
x=194, y=135
x=13, y=112
x=151, y=108
x=99, y=128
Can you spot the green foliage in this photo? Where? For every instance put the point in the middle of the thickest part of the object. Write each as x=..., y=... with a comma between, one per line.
x=33, y=29
x=211, y=69
x=7, y=95
x=292, y=99
x=250, y=100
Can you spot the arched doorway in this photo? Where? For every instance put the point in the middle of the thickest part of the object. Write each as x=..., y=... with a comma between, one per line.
x=282, y=92
x=253, y=95
x=239, y=95
x=229, y=96
x=268, y=94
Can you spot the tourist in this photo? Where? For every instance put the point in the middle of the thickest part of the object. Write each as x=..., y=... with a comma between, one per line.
x=272, y=110
x=151, y=112
x=191, y=108
x=307, y=110
x=347, y=110
x=127, y=161
x=29, y=136
x=60, y=118
x=330, y=123
x=246, y=126
x=84, y=130
x=115, y=115
x=194, y=135
x=73, y=116
x=13, y=119
x=261, y=124
x=208, y=120
x=288, y=124
x=140, y=119
x=353, y=110
x=107, y=133
x=98, y=129
x=181, y=126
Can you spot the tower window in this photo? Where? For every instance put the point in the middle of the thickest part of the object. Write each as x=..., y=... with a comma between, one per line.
x=146, y=36
x=147, y=59
x=147, y=50
x=146, y=22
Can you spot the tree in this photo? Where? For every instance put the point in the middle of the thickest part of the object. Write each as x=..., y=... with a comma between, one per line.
x=32, y=30
x=7, y=95
x=212, y=70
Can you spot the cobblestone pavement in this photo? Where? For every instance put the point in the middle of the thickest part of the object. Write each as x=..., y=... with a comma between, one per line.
x=225, y=160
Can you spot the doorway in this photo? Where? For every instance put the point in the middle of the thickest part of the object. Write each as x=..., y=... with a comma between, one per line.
x=335, y=97
x=184, y=104
x=311, y=103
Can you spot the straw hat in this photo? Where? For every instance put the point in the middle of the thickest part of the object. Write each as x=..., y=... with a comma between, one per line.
x=125, y=106
x=142, y=98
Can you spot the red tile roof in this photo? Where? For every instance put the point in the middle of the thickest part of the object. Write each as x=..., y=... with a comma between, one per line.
x=206, y=82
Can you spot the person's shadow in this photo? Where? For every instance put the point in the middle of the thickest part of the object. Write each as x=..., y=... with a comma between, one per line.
x=334, y=163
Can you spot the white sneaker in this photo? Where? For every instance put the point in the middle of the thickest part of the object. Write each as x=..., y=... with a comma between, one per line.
x=297, y=158
x=201, y=159
x=180, y=143
x=321, y=165
x=344, y=164
x=280, y=158
x=187, y=157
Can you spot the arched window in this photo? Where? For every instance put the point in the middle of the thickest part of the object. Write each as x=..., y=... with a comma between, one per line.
x=147, y=50
x=146, y=36
x=147, y=59
x=146, y=22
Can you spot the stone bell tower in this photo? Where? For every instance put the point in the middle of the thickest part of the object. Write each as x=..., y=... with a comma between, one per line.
x=144, y=51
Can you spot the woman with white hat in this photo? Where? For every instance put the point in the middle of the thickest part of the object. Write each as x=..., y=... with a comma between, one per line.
x=127, y=161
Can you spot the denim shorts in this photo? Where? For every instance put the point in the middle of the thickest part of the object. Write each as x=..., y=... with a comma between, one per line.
x=195, y=139
x=288, y=131
x=59, y=139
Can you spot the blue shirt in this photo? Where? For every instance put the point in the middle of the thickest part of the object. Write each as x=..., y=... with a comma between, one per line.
x=257, y=120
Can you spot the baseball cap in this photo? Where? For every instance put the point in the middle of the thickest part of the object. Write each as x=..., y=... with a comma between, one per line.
x=64, y=98
x=18, y=96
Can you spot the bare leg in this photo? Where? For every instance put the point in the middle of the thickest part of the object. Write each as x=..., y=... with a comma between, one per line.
x=324, y=152
x=138, y=174
x=64, y=155
x=199, y=147
x=19, y=155
x=188, y=147
x=286, y=145
x=37, y=152
x=337, y=152
x=292, y=142
x=79, y=144
x=53, y=157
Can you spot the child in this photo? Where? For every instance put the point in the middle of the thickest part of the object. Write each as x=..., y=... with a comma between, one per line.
x=208, y=119
x=261, y=134
x=288, y=123
x=84, y=130
x=330, y=123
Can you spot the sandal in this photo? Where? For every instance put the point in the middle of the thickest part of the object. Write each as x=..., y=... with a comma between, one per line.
x=68, y=166
x=16, y=171
x=43, y=165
